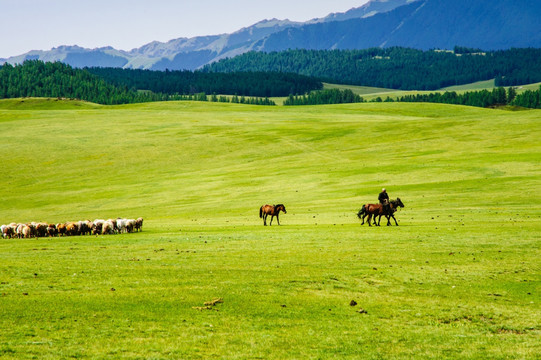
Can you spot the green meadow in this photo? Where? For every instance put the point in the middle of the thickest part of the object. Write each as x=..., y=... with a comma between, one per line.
x=460, y=278
x=371, y=93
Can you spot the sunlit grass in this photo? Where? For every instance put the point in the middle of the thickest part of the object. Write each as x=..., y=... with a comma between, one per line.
x=459, y=278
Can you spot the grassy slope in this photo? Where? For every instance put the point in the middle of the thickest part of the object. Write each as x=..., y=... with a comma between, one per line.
x=369, y=93
x=529, y=87
x=46, y=104
x=361, y=90
x=459, y=278
x=479, y=85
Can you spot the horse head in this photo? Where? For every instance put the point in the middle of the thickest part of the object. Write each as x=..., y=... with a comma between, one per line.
x=399, y=202
x=280, y=207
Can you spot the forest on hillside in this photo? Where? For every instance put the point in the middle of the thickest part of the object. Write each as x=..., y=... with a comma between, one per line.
x=36, y=78
x=483, y=98
x=496, y=98
x=260, y=84
x=110, y=86
x=116, y=86
x=396, y=67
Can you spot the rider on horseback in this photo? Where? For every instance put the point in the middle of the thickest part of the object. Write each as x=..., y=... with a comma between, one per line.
x=384, y=200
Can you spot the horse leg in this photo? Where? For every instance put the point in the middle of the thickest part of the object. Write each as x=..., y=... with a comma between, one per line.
x=369, y=219
x=363, y=219
x=396, y=222
x=375, y=221
x=278, y=218
x=272, y=218
x=265, y=219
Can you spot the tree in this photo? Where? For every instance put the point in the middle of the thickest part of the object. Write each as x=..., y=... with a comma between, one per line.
x=511, y=94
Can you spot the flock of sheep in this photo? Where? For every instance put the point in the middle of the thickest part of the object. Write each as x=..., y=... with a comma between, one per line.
x=73, y=228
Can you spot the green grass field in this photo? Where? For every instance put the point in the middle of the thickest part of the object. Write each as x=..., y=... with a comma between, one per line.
x=479, y=85
x=459, y=278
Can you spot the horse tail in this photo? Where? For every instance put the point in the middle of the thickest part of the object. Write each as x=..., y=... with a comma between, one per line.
x=361, y=212
x=261, y=212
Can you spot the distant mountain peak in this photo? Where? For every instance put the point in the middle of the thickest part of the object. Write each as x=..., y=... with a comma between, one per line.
x=420, y=24
x=268, y=24
x=369, y=9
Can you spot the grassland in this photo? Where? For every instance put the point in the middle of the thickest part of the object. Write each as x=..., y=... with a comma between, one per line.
x=479, y=85
x=370, y=93
x=459, y=278
x=529, y=87
x=361, y=90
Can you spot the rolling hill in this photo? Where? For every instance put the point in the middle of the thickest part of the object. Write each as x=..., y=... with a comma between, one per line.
x=458, y=278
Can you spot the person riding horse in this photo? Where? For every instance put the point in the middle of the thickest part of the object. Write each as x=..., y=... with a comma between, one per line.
x=383, y=198
x=386, y=208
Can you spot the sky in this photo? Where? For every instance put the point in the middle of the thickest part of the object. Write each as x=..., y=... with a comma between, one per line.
x=126, y=24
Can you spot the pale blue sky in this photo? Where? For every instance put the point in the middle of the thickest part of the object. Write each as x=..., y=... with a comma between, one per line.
x=126, y=24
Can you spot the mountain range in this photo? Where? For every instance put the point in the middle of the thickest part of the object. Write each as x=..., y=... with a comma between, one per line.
x=420, y=24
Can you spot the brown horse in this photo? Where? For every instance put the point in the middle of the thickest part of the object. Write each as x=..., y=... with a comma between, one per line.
x=272, y=210
x=394, y=205
x=378, y=210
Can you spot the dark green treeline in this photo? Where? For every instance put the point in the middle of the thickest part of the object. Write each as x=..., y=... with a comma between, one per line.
x=396, y=67
x=260, y=84
x=34, y=78
x=483, y=98
x=327, y=96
